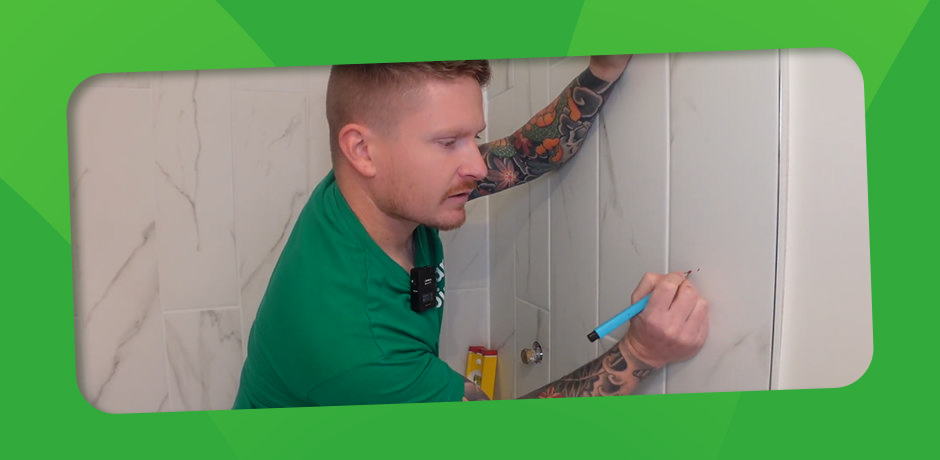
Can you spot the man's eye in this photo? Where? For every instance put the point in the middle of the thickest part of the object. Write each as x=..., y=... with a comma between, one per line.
x=448, y=142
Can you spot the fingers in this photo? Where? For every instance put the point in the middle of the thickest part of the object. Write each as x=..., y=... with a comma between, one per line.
x=664, y=292
x=674, y=324
x=685, y=301
x=698, y=323
x=647, y=283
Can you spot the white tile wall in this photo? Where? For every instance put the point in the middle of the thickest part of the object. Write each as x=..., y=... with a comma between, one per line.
x=465, y=255
x=192, y=136
x=679, y=173
x=204, y=357
x=120, y=352
x=533, y=324
x=634, y=186
x=723, y=210
x=465, y=323
x=504, y=209
x=270, y=183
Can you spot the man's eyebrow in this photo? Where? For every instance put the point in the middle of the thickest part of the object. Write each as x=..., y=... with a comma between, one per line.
x=457, y=132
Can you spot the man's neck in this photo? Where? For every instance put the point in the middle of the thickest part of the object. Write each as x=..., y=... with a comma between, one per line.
x=392, y=234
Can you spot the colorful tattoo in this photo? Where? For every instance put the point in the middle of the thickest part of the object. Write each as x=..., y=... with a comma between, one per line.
x=607, y=375
x=548, y=140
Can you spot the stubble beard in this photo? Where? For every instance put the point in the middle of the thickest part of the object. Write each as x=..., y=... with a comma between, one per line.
x=394, y=203
x=396, y=208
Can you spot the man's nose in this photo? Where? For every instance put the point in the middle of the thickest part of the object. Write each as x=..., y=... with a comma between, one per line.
x=474, y=167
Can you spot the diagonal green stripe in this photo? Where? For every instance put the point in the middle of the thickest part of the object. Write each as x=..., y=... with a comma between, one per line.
x=871, y=35
x=310, y=32
x=109, y=37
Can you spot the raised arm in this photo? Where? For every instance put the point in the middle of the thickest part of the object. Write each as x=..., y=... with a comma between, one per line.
x=554, y=134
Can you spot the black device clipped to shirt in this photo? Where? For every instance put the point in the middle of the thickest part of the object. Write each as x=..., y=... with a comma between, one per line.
x=423, y=289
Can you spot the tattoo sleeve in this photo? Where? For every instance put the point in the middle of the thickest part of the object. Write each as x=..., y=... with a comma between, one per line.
x=616, y=372
x=548, y=140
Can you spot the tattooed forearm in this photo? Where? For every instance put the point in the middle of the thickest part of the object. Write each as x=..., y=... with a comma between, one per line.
x=548, y=140
x=471, y=392
x=614, y=373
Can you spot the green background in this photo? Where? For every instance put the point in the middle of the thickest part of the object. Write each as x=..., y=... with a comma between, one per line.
x=49, y=49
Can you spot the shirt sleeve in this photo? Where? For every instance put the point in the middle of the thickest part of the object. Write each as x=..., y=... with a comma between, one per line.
x=404, y=378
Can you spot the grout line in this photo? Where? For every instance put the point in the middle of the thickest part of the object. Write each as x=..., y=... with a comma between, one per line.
x=238, y=276
x=601, y=122
x=201, y=309
x=781, y=238
x=546, y=99
x=163, y=312
x=487, y=237
x=668, y=181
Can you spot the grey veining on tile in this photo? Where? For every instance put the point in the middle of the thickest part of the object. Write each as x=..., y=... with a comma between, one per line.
x=573, y=229
x=507, y=353
x=286, y=79
x=534, y=324
x=195, y=217
x=204, y=357
x=465, y=252
x=724, y=115
x=634, y=183
x=532, y=245
x=501, y=77
x=270, y=179
x=120, y=357
x=503, y=209
x=119, y=341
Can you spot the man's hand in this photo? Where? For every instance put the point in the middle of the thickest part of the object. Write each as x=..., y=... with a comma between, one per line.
x=609, y=68
x=674, y=324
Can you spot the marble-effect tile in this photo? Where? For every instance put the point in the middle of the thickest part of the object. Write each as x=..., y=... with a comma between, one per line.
x=465, y=324
x=119, y=342
x=534, y=324
x=502, y=285
x=464, y=249
x=633, y=183
x=195, y=217
x=270, y=180
x=724, y=116
x=204, y=357
x=287, y=79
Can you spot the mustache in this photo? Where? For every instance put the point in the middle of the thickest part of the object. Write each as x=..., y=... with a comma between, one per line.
x=464, y=187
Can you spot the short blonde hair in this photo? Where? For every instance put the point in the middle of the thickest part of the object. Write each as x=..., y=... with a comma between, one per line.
x=375, y=94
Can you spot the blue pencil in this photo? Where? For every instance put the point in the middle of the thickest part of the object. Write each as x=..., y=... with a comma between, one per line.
x=618, y=320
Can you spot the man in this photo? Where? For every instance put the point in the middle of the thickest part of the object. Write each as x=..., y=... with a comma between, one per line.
x=339, y=323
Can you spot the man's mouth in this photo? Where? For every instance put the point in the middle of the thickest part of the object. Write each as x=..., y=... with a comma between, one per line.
x=461, y=191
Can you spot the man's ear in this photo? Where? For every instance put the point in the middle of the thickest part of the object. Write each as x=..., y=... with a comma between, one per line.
x=356, y=142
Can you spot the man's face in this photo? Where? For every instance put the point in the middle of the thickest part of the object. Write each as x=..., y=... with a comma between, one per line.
x=427, y=167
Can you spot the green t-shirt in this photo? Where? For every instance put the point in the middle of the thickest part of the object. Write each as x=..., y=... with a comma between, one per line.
x=335, y=326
